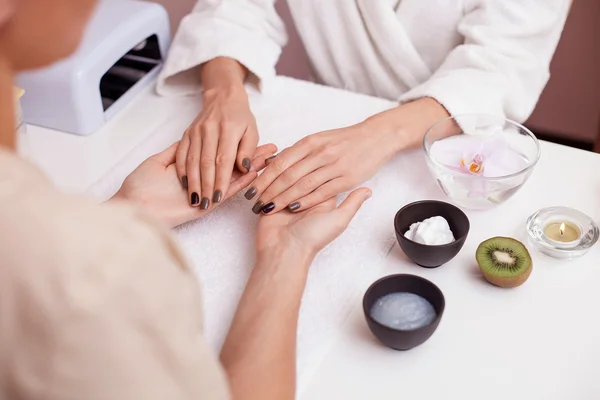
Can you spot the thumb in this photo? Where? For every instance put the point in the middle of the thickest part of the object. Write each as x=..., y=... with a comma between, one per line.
x=167, y=156
x=349, y=207
x=247, y=149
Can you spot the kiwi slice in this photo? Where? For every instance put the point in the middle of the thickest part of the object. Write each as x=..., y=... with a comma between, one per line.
x=504, y=261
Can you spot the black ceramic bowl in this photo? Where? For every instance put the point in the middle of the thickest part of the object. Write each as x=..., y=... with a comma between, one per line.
x=394, y=338
x=431, y=256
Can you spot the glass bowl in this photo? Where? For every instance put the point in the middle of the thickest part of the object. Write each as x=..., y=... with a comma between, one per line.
x=478, y=160
x=539, y=222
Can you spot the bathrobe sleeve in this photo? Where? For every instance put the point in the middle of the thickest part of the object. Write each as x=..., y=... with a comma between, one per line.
x=249, y=31
x=503, y=64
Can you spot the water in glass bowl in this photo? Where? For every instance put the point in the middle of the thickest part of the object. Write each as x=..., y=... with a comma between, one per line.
x=483, y=166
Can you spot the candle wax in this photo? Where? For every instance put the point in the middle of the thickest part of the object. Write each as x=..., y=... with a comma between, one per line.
x=570, y=233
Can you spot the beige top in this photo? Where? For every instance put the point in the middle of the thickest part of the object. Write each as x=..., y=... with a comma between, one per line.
x=96, y=301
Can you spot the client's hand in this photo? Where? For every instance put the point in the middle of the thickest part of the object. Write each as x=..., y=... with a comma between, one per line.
x=325, y=164
x=222, y=137
x=155, y=186
x=319, y=167
x=307, y=232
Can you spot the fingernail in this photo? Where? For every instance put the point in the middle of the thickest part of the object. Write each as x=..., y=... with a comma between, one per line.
x=268, y=208
x=368, y=195
x=257, y=207
x=204, y=204
x=217, y=196
x=195, y=199
x=184, y=182
x=268, y=160
x=294, y=206
x=251, y=193
x=246, y=163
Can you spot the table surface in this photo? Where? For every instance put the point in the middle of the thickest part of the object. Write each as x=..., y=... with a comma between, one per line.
x=538, y=341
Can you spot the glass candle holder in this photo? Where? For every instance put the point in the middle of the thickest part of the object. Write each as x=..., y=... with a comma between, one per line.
x=562, y=232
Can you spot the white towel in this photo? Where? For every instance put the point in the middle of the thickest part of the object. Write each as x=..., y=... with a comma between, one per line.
x=220, y=245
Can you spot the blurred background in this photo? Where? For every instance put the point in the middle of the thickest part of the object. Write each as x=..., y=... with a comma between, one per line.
x=569, y=109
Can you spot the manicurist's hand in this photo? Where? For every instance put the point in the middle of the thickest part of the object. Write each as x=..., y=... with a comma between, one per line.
x=307, y=232
x=154, y=185
x=259, y=353
x=319, y=167
x=223, y=136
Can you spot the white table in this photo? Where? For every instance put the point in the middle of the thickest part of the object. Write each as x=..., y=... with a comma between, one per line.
x=538, y=341
x=74, y=163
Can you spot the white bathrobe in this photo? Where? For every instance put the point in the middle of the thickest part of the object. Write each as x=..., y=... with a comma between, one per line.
x=472, y=56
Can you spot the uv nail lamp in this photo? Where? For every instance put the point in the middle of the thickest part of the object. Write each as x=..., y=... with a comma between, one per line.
x=121, y=53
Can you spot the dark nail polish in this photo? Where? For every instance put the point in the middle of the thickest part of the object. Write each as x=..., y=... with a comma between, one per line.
x=251, y=193
x=195, y=199
x=294, y=206
x=217, y=196
x=246, y=163
x=184, y=182
x=205, y=203
x=268, y=208
x=268, y=160
x=257, y=207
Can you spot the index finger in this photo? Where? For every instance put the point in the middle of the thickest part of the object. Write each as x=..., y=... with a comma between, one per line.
x=225, y=161
x=276, y=167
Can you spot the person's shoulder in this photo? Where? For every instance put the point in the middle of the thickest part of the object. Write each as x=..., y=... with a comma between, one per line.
x=53, y=233
x=89, y=280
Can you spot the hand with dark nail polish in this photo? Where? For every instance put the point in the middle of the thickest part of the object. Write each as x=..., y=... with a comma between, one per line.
x=251, y=193
x=194, y=199
x=205, y=203
x=217, y=196
x=323, y=165
x=225, y=135
x=155, y=186
x=257, y=207
x=268, y=208
x=246, y=163
x=307, y=231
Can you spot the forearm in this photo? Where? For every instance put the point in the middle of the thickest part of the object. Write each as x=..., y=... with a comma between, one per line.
x=259, y=353
x=222, y=73
x=403, y=127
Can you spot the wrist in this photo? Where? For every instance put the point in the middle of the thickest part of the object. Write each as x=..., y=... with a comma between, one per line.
x=223, y=74
x=391, y=137
x=404, y=126
x=287, y=259
x=228, y=91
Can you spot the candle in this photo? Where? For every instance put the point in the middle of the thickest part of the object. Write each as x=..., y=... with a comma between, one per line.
x=563, y=232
